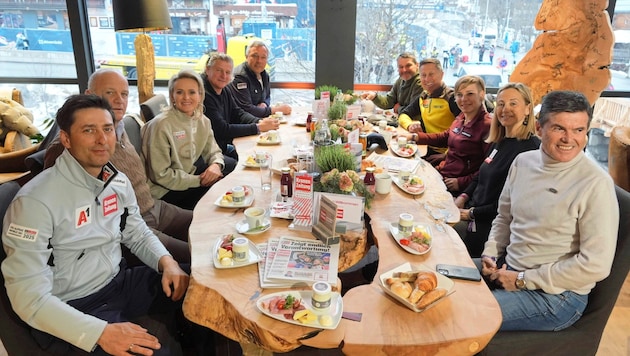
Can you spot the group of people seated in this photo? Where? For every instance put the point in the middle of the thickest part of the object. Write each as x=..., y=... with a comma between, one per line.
x=110, y=241
x=118, y=249
x=539, y=218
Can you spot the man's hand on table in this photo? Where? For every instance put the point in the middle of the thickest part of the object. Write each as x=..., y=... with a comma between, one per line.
x=126, y=338
x=268, y=123
x=174, y=279
x=285, y=108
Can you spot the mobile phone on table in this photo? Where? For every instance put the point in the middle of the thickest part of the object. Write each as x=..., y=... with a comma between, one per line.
x=459, y=272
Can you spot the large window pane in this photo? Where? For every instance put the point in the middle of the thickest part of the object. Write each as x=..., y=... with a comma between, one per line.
x=620, y=67
x=35, y=40
x=450, y=30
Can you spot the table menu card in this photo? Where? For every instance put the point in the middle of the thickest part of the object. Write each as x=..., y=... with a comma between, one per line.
x=302, y=203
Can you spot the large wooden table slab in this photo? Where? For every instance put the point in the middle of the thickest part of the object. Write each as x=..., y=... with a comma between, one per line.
x=225, y=299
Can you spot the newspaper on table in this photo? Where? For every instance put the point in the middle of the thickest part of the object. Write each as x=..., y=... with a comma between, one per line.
x=268, y=251
x=393, y=164
x=306, y=260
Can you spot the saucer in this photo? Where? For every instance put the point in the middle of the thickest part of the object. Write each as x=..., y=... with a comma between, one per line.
x=242, y=227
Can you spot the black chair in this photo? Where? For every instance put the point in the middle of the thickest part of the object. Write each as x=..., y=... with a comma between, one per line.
x=583, y=337
x=15, y=334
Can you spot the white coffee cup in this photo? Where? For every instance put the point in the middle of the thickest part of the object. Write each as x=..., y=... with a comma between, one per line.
x=383, y=183
x=402, y=141
x=273, y=135
x=255, y=217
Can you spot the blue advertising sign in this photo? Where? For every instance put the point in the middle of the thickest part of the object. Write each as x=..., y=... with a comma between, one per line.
x=125, y=45
x=38, y=40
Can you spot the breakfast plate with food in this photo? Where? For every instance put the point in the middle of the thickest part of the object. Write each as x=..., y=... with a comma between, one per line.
x=389, y=129
x=416, y=288
x=269, y=139
x=417, y=242
x=406, y=150
x=223, y=257
x=294, y=307
x=251, y=162
x=292, y=163
x=414, y=185
x=227, y=201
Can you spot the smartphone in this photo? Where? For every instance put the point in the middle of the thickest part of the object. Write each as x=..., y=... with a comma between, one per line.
x=459, y=272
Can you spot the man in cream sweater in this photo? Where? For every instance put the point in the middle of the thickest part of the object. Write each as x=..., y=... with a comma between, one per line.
x=555, y=233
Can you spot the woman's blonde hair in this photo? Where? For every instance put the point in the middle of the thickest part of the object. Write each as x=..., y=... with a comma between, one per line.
x=528, y=127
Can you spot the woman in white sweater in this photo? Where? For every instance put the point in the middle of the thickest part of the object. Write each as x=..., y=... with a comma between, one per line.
x=555, y=233
x=180, y=154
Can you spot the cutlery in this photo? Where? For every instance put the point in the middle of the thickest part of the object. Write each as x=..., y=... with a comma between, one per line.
x=258, y=228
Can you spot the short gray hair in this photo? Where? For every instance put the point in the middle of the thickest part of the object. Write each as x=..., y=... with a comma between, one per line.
x=256, y=43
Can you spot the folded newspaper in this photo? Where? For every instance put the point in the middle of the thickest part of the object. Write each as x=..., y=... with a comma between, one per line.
x=304, y=260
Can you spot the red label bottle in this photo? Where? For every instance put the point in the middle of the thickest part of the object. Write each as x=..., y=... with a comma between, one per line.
x=286, y=184
x=369, y=180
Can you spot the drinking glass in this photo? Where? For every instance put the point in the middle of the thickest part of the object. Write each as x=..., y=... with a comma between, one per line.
x=264, y=161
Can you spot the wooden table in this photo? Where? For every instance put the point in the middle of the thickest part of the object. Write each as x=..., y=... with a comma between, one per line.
x=225, y=300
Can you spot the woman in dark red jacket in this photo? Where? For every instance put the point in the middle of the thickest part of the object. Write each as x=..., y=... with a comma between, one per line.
x=465, y=138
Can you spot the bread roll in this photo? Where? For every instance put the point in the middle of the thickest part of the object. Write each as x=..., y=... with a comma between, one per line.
x=430, y=297
x=426, y=281
x=401, y=289
x=415, y=295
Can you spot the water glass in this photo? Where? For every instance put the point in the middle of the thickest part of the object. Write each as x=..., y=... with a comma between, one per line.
x=264, y=161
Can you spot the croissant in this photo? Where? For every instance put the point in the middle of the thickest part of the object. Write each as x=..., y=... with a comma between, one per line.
x=430, y=297
x=425, y=281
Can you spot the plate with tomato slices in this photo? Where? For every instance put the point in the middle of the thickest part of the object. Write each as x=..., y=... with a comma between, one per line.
x=406, y=150
x=294, y=307
x=416, y=242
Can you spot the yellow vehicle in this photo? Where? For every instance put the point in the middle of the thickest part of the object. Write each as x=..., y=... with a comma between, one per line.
x=166, y=67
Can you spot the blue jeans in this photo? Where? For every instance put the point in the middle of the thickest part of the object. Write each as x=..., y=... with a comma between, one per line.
x=535, y=309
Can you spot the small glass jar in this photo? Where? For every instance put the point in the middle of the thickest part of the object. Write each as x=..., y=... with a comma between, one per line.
x=240, y=249
x=321, y=295
x=363, y=141
x=369, y=180
x=405, y=223
x=238, y=194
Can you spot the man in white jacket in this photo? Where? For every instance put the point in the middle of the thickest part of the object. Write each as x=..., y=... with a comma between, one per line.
x=64, y=271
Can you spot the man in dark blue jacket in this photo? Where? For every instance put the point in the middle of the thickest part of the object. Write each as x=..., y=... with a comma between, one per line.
x=251, y=87
x=228, y=119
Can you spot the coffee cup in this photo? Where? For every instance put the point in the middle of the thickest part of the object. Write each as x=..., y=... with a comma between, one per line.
x=255, y=217
x=383, y=183
x=402, y=141
x=273, y=135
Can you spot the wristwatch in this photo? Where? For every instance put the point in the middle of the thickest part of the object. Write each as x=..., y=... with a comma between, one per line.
x=520, y=280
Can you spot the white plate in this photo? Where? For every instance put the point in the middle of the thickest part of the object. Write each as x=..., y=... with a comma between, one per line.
x=399, y=182
x=397, y=235
x=242, y=227
x=443, y=282
x=335, y=310
x=254, y=256
x=249, y=199
x=248, y=163
x=263, y=141
x=276, y=166
x=394, y=148
x=389, y=129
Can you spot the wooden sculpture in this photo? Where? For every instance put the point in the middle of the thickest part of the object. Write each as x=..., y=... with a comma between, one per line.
x=573, y=52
